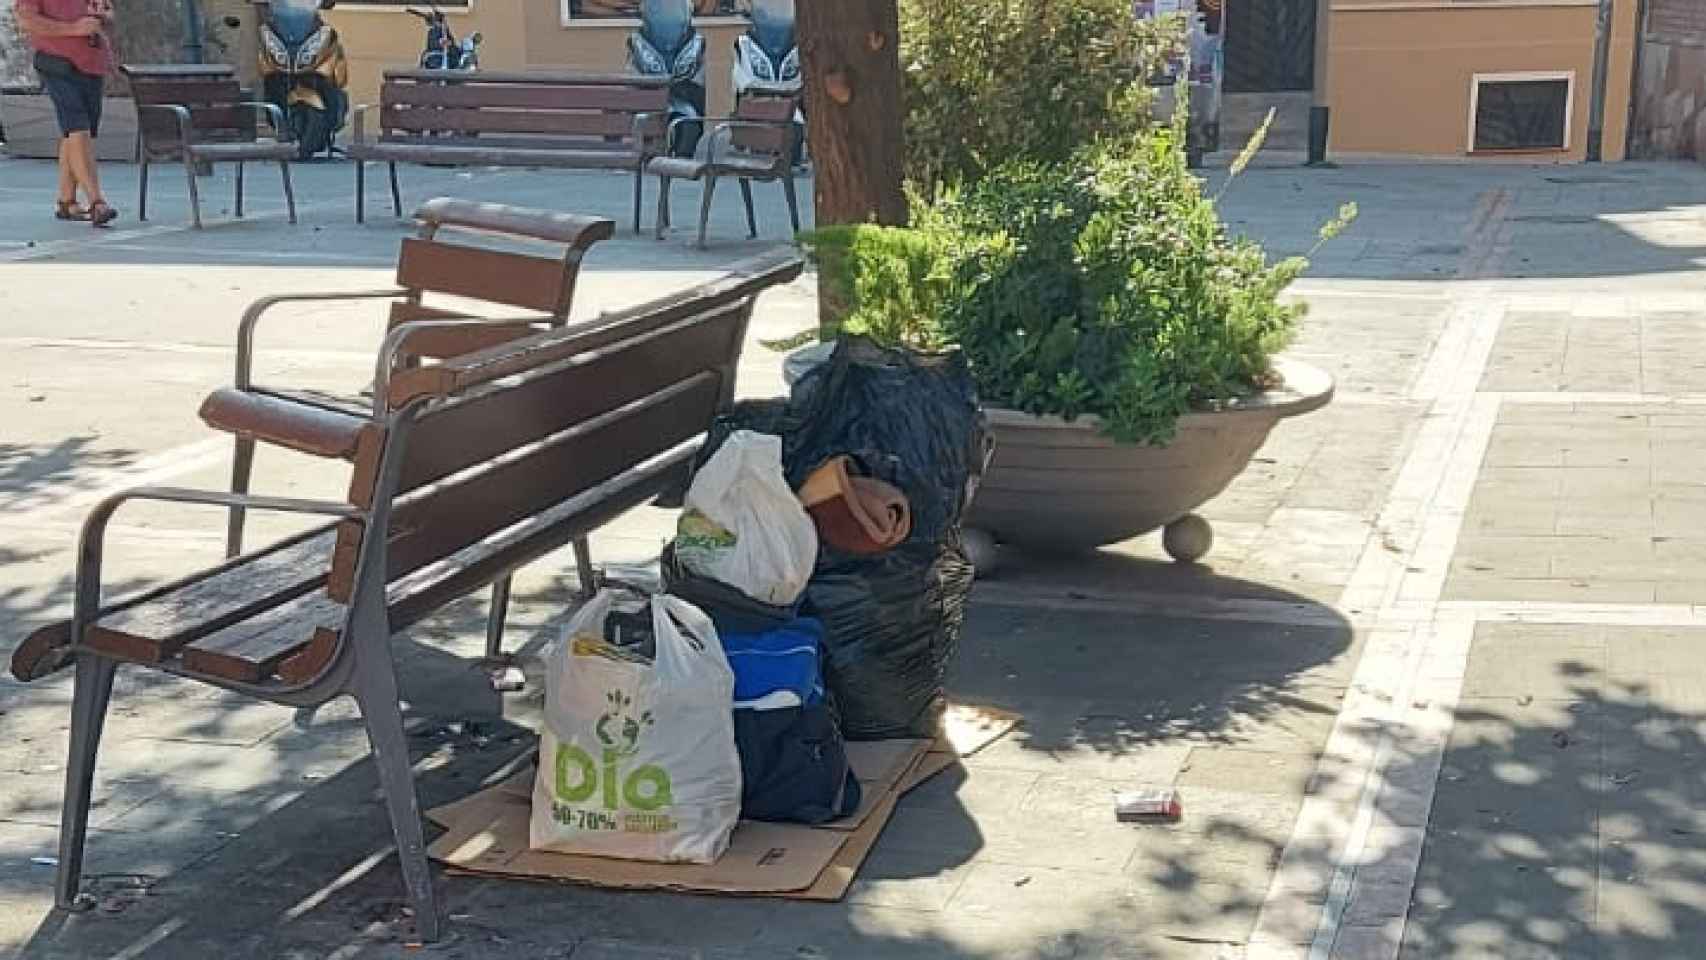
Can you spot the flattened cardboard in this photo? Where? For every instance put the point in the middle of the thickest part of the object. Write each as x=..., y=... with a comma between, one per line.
x=487, y=832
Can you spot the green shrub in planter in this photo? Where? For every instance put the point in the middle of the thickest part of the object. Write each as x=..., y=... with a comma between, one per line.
x=886, y=283
x=1105, y=285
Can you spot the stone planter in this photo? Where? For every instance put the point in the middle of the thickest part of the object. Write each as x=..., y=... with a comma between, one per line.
x=33, y=132
x=1060, y=486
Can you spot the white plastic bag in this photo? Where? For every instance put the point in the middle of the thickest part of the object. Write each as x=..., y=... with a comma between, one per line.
x=638, y=760
x=744, y=526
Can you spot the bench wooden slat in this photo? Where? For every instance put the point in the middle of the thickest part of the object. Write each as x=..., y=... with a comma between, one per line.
x=153, y=632
x=187, y=92
x=490, y=77
x=483, y=121
x=540, y=96
x=439, y=520
x=474, y=428
x=250, y=650
x=498, y=276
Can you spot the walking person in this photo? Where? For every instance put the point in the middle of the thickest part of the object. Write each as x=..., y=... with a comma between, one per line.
x=73, y=57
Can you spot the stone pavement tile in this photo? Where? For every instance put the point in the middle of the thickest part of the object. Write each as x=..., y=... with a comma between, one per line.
x=904, y=880
x=1035, y=907
x=1533, y=661
x=1549, y=590
x=1487, y=894
x=1374, y=941
x=1502, y=557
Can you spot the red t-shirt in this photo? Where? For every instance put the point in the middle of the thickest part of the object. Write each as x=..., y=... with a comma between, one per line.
x=95, y=61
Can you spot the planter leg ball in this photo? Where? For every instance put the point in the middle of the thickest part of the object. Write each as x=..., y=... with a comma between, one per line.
x=982, y=551
x=1188, y=538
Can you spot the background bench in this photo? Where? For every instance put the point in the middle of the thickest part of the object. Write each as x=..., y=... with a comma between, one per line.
x=468, y=470
x=198, y=116
x=584, y=121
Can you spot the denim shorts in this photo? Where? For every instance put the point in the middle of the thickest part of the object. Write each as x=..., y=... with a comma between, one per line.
x=76, y=95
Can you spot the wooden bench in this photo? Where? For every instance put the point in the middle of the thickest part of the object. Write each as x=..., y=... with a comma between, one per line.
x=757, y=143
x=192, y=114
x=585, y=121
x=426, y=265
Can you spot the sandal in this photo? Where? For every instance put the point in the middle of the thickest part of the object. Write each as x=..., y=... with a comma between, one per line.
x=69, y=210
x=101, y=213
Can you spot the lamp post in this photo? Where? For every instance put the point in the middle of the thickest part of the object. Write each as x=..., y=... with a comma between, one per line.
x=1320, y=112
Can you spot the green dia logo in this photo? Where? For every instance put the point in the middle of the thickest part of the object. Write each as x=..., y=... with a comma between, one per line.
x=579, y=776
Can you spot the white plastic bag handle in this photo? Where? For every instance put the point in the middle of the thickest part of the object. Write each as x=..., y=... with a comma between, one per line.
x=685, y=634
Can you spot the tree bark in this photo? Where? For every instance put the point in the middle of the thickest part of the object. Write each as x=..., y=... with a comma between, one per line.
x=850, y=52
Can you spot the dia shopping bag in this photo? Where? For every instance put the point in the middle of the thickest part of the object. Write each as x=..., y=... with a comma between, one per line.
x=637, y=760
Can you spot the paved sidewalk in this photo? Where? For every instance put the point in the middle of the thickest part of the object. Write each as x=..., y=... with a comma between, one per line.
x=1430, y=694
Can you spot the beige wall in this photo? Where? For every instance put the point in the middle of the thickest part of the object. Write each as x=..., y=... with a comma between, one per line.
x=1400, y=72
x=517, y=35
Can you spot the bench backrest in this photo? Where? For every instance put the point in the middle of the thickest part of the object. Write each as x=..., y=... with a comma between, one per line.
x=541, y=421
x=211, y=95
x=433, y=263
x=589, y=111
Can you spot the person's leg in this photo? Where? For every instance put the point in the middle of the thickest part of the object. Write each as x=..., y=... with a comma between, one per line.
x=82, y=149
x=67, y=180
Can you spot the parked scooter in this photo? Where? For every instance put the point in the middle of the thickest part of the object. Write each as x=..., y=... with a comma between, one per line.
x=443, y=51
x=667, y=44
x=304, y=72
x=767, y=60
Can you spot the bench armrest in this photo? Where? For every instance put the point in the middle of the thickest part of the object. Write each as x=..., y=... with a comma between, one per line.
x=571, y=230
x=91, y=543
x=252, y=317
x=186, y=122
x=275, y=116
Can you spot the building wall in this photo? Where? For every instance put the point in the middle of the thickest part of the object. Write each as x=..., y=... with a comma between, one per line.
x=1670, y=107
x=517, y=35
x=1400, y=71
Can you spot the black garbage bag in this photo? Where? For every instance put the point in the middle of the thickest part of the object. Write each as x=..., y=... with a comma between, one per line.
x=892, y=621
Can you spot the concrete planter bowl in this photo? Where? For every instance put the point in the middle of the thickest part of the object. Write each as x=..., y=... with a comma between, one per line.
x=1059, y=486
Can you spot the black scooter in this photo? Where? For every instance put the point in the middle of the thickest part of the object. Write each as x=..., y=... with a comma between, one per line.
x=304, y=71
x=443, y=51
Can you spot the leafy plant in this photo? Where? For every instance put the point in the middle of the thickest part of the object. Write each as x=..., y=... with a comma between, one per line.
x=990, y=82
x=886, y=283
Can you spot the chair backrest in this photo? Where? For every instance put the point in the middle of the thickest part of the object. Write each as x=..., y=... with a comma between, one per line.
x=211, y=94
x=769, y=141
x=588, y=111
x=544, y=420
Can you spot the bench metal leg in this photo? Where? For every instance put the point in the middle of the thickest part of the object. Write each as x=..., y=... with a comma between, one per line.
x=705, y=207
x=375, y=685
x=361, y=191
x=746, y=197
x=239, y=205
x=142, y=189
x=793, y=201
x=242, y=465
x=663, y=206
x=583, y=566
x=396, y=194
x=94, y=687
x=496, y=617
x=195, y=193
x=289, y=193
x=639, y=192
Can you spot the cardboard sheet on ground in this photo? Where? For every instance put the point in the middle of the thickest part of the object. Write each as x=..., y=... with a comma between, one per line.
x=487, y=832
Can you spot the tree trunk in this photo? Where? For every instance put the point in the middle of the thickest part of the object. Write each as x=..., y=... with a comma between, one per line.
x=851, y=58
